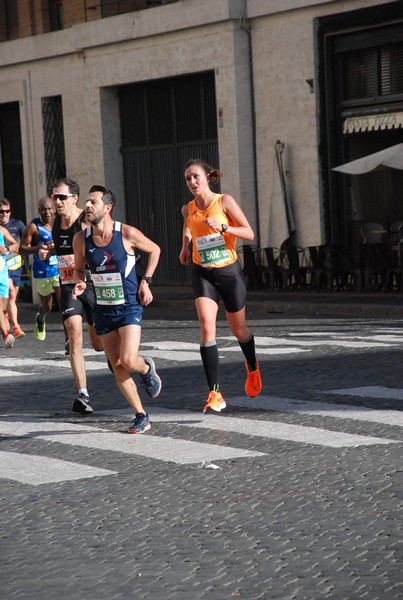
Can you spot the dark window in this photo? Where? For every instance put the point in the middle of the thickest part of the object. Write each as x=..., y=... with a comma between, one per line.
x=56, y=15
x=110, y=8
x=372, y=73
x=391, y=68
x=13, y=32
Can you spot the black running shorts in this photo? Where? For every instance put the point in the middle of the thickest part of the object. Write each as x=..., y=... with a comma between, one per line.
x=227, y=283
x=82, y=305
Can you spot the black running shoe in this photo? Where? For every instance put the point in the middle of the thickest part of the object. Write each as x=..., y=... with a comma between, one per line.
x=81, y=405
x=151, y=380
x=140, y=424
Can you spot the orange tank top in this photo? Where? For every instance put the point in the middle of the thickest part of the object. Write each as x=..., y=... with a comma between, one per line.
x=210, y=248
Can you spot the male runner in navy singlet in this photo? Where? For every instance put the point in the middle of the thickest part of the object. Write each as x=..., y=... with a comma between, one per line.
x=108, y=248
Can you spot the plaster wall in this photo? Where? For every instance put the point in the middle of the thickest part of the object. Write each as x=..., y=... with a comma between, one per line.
x=87, y=62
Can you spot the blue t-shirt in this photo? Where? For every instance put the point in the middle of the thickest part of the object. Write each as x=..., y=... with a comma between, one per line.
x=43, y=269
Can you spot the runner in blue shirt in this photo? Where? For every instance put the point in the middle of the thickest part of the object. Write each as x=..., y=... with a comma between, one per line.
x=45, y=272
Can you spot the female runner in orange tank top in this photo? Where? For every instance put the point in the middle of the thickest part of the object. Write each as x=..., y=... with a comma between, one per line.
x=212, y=224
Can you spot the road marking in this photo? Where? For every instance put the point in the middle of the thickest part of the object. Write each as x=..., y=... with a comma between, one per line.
x=347, y=343
x=186, y=352
x=35, y=470
x=267, y=429
x=323, y=409
x=160, y=448
x=370, y=391
x=382, y=338
x=52, y=364
x=5, y=373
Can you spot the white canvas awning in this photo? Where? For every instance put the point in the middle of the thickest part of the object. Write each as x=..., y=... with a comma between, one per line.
x=390, y=157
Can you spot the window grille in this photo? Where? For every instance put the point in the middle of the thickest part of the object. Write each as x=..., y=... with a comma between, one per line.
x=53, y=139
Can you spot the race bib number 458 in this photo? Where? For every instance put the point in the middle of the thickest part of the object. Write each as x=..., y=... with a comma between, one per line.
x=108, y=288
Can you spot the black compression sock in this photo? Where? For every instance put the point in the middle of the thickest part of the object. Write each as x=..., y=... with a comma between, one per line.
x=209, y=355
x=248, y=349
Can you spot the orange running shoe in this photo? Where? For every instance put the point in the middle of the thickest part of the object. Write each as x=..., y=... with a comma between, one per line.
x=253, y=383
x=18, y=332
x=215, y=401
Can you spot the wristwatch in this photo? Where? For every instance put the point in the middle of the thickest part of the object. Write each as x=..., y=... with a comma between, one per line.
x=224, y=228
x=147, y=279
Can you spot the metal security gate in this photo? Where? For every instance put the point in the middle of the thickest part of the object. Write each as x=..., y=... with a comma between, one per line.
x=164, y=124
x=53, y=140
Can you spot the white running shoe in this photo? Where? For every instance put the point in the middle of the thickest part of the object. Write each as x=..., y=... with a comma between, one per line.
x=9, y=340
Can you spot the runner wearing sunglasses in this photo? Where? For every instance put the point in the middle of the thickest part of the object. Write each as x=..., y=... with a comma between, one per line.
x=69, y=220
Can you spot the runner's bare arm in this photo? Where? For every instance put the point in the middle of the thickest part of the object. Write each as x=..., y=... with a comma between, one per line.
x=29, y=240
x=133, y=238
x=11, y=244
x=184, y=256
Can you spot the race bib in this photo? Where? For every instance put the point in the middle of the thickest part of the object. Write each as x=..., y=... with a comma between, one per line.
x=13, y=261
x=66, y=268
x=212, y=250
x=108, y=288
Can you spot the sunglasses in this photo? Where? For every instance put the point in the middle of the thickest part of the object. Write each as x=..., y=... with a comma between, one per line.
x=62, y=196
x=4, y=212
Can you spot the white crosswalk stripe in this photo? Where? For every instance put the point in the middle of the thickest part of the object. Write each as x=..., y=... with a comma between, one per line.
x=323, y=409
x=35, y=470
x=87, y=436
x=176, y=350
x=266, y=429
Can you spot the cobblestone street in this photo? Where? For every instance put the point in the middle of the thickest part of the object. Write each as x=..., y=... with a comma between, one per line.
x=295, y=494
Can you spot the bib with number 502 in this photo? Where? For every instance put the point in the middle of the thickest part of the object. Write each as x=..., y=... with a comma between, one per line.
x=212, y=250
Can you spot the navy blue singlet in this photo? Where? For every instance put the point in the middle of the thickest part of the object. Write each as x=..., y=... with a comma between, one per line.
x=113, y=274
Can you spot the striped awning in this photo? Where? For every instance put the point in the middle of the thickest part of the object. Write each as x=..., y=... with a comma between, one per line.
x=373, y=122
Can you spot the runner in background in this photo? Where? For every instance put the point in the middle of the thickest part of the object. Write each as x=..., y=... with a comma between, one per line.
x=14, y=263
x=69, y=220
x=45, y=273
x=7, y=244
